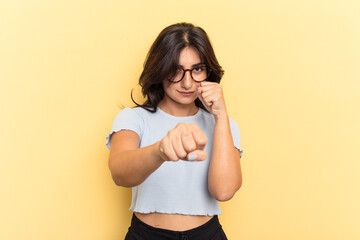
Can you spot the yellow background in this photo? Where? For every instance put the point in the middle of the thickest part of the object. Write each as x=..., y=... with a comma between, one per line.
x=292, y=84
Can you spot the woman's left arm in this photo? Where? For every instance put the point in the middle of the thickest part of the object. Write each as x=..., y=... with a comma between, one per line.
x=224, y=177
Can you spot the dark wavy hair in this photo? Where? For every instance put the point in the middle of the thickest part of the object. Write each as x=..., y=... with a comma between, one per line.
x=163, y=57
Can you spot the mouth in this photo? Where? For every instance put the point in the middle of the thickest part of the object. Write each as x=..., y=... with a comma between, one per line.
x=186, y=94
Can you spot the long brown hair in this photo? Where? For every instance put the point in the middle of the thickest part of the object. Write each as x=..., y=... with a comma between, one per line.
x=163, y=56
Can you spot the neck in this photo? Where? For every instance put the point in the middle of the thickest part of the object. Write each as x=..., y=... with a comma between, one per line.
x=178, y=110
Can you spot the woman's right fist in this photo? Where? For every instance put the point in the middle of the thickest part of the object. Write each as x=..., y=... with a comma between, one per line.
x=186, y=141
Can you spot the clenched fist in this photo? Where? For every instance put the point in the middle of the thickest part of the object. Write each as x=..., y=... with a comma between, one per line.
x=186, y=141
x=212, y=97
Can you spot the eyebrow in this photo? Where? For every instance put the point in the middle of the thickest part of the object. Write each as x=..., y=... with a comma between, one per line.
x=194, y=65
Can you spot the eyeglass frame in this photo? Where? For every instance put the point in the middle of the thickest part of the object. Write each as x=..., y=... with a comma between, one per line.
x=191, y=69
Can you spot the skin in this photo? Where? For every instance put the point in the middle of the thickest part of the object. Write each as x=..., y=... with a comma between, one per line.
x=224, y=177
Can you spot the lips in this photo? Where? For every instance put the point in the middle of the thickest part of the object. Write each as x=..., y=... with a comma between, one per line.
x=186, y=94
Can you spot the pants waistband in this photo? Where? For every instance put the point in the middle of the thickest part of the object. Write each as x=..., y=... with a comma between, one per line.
x=208, y=229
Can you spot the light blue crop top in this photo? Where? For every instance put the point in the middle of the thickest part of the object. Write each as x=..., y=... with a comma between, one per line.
x=175, y=187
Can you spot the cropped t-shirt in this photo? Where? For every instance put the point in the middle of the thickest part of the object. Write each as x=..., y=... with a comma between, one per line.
x=175, y=187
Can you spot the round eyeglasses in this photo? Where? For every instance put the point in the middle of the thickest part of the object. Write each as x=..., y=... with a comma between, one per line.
x=198, y=74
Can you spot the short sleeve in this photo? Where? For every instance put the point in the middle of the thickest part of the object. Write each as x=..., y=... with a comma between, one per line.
x=235, y=132
x=127, y=119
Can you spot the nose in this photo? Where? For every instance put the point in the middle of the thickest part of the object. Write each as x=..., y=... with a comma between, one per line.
x=187, y=82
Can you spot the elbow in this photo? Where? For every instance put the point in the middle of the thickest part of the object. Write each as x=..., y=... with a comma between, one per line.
x=114, y=174
x=122, y=182
x=224, y=195
x=118, y=176
x=117, y=181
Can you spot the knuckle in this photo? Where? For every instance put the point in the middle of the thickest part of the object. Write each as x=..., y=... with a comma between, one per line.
x=203, y=140
x=182, y=155
x=174, y=159
x=166, y=139
x=171, y=132
x=192, y=147
x=181, y=125
x=187, y=136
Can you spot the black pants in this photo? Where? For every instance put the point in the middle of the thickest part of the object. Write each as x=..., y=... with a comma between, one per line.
x=211, y=230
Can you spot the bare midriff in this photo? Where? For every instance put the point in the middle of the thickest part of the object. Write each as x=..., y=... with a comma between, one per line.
x=174, y=222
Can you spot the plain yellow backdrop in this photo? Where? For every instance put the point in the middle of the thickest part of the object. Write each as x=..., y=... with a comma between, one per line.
x=291, y=82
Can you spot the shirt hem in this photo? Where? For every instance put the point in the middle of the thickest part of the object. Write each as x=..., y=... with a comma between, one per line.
x=175, y=212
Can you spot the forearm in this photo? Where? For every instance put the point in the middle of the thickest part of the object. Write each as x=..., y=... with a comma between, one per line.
x=131, y=168
x=225, y=171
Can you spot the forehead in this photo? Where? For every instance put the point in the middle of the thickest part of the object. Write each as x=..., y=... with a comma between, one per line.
x=189, y=57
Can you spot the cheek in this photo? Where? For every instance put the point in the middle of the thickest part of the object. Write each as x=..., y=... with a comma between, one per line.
x=166, y=84
x=169, y=87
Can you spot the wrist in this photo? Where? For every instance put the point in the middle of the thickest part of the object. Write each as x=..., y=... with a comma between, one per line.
x=160, y=152
x=221, y=117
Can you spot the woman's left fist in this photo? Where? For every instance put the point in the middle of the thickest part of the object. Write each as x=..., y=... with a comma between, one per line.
x=211, y=95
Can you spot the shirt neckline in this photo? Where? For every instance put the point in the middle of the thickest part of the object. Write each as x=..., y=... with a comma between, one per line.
x=184, y=117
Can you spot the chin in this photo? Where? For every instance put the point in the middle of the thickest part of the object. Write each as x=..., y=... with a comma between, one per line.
x=179, y=99
x=186, y=101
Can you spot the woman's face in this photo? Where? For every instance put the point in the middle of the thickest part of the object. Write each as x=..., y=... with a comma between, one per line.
x=183, y=92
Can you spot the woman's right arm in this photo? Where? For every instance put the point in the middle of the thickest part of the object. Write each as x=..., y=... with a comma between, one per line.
x=130, y=165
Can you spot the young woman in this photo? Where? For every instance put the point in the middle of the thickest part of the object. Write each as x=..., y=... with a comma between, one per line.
x=179, y=150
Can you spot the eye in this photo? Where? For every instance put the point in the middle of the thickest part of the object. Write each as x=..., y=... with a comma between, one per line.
x=199, y=69
x=179, y=71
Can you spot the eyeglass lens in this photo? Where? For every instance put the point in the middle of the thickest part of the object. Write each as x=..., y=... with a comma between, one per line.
x=198, y=74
